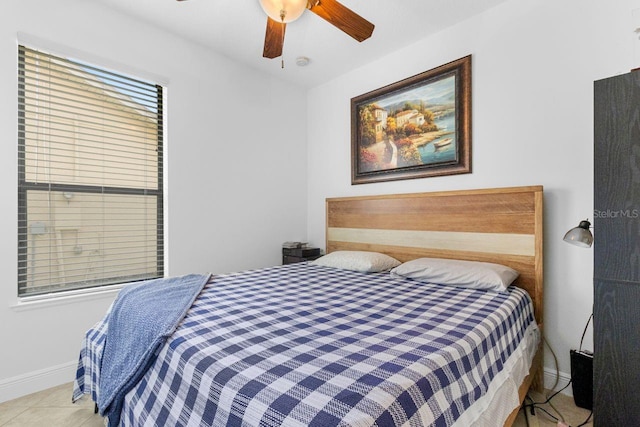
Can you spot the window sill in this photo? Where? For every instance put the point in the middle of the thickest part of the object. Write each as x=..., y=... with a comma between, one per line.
x=64, y=298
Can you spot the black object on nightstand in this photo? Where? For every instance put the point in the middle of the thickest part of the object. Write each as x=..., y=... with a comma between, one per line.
x=293, y=255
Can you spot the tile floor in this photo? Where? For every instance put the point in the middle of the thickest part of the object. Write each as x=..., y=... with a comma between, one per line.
x=49, y=408
x=53, y=408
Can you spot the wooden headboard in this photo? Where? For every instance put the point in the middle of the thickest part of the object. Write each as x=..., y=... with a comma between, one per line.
x=500, y=225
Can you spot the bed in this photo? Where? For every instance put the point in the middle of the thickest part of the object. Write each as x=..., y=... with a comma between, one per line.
x=310, y=344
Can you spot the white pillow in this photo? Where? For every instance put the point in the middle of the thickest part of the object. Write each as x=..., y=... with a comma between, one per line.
x=468, y=274
x=362, y=261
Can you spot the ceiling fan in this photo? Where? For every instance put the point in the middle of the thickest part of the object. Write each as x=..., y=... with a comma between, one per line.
x=281, y=12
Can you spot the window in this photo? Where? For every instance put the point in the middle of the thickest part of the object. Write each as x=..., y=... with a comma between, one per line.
x=90, y=196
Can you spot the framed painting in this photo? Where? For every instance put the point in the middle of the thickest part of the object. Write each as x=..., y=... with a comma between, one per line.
x=415, y=128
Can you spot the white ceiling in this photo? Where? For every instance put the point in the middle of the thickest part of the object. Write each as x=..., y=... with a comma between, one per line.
x=236, y=29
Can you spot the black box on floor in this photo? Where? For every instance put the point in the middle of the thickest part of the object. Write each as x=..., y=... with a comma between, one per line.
x=582, y=378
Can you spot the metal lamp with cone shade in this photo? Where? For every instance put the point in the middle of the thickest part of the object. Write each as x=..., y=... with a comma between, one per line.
x=580, y=235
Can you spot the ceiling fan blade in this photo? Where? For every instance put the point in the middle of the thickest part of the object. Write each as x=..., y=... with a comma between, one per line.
x=273, y=39
x=343, y=18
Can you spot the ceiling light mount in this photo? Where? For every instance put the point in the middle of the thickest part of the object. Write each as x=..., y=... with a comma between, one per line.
x=302, y=61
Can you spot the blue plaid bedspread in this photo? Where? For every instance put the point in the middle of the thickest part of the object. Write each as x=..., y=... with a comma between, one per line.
x=305, y=345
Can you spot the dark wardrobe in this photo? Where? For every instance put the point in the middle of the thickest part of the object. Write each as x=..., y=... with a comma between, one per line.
x=616, y=316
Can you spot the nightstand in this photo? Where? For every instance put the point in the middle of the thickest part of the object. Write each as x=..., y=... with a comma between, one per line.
x=293, y=255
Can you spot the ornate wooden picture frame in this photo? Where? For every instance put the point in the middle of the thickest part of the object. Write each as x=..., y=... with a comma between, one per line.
x=415, y=128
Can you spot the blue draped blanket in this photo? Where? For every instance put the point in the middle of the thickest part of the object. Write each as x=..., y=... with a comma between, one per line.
x=142, y=317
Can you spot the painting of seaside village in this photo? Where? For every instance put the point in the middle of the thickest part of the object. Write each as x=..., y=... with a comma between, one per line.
x=415, y=127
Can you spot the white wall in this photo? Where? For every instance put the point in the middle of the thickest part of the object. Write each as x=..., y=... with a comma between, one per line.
x=534, y=63
x=231, y=201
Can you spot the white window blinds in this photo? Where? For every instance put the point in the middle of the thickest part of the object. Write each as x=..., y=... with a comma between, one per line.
x=89, y=176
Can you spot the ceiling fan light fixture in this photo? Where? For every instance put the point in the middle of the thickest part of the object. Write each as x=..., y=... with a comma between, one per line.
x=283, y=10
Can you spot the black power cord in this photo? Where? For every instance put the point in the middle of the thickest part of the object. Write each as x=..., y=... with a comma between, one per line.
x=584, y=332
x=536, y=405
x=587, y=420
x=580, y=350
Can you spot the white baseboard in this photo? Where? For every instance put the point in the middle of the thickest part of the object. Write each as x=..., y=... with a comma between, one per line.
x=31, y=382
x=550, y=376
